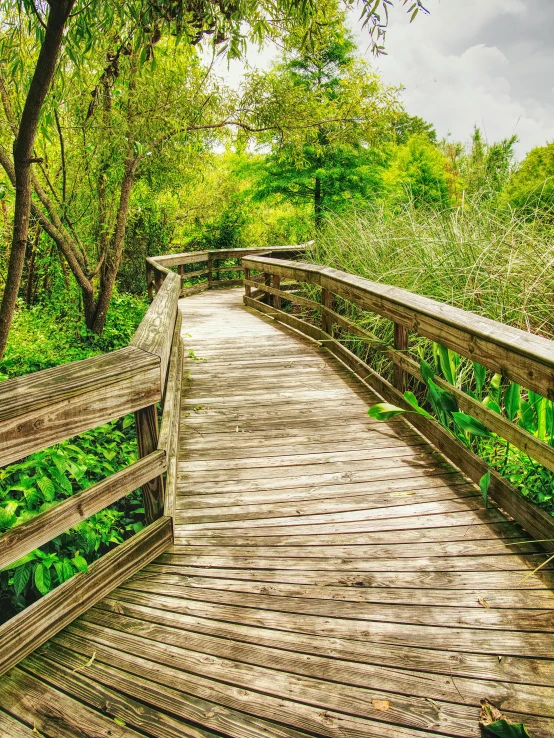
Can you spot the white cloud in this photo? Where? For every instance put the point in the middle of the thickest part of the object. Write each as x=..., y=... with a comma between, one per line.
x=456, y=74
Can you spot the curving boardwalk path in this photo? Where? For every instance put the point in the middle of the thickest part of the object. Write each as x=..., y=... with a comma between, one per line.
x=331, y=575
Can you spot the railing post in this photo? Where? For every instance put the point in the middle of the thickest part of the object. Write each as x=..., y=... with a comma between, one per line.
x=401, y=338
x=158, y=279
x=277, y=286
x=267, y=282
x=210, y=270
x=149, y=281
x=326, y=302
x=147, y=436
x=247, y=288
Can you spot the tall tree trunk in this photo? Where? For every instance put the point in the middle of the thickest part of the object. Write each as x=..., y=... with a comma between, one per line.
x=113, y=255
x=318, y=203
x=22, y=155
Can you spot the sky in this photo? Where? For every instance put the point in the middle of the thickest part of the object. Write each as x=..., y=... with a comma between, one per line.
x=488, y=63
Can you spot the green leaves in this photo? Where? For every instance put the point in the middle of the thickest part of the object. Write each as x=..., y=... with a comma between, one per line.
x=384, y=411
x=480, y=375
x=512, y=400
x=504, y=729
x=470, y=425
x=412, y=400
x=21, y=578
x=42, y=578
x=484, y=484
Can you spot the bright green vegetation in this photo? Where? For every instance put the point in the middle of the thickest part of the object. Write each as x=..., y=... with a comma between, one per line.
x=475, y=256
x=530, y=411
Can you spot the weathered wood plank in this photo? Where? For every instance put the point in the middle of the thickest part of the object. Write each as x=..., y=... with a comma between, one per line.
x=155, y=332
x=50, y=406
x=12, y=728
x=147, y=437
x=185, y=706
x=50, y=712
x=81, y=681
x=426, y=659
x=24, y=538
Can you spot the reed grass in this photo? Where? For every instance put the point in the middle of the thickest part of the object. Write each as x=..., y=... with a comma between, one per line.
x=489, y=261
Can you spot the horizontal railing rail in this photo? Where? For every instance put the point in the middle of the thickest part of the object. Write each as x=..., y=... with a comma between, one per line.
x=523, y=358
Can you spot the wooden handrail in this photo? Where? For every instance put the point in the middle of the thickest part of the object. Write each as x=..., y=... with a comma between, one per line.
x=157, y=267
x=523, y=357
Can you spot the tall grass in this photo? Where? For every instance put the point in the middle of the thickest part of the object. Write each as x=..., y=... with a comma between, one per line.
x=490, y=262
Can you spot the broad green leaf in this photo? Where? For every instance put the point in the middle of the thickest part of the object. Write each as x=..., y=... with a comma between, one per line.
x=412, y=400
x=480, y=374
x=471, y=425
x=47, y=488
x=384, y=411
x=484, y=484
x=80, y=563
x=496, y=381
x=492, y=404
x=512, y=400
x=427, y=373
x=527, y=417
x=68, y=570
x=21, y=578
x=128, y=421
x=42, y=579
x=504, y=729
x=446, y=365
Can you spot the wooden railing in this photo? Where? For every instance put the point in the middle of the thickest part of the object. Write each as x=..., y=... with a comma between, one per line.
x=522, y=357
x=47, y=407
x=206, y=267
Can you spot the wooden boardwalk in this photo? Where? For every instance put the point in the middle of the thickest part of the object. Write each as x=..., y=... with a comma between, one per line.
x=331, y=575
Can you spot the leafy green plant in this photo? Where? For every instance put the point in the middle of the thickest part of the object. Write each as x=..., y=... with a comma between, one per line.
x=529, y=410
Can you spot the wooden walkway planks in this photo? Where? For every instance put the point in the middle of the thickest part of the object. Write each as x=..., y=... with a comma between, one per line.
x=331, y=576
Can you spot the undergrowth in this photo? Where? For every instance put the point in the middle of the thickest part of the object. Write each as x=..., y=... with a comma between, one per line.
x=43, y=337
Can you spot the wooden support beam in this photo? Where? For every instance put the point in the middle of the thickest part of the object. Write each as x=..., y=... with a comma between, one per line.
x=276, y=298
x=401, y=339
x=326, y=318
x=147, y=437
x=247, y=287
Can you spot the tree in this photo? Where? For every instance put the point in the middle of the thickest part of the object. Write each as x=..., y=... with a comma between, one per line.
x=531, y=188
x=80, y=25
x=418, y=173
x=328, y=111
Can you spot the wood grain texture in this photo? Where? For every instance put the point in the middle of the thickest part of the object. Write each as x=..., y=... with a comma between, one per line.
x=147, y=438
x=50, y=406
x=155, y=332
x=45, y=526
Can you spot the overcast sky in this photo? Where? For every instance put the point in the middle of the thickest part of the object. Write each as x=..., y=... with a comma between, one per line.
x=470, y=62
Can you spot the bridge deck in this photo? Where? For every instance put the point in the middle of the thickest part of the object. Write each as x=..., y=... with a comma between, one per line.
x=331, y=575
